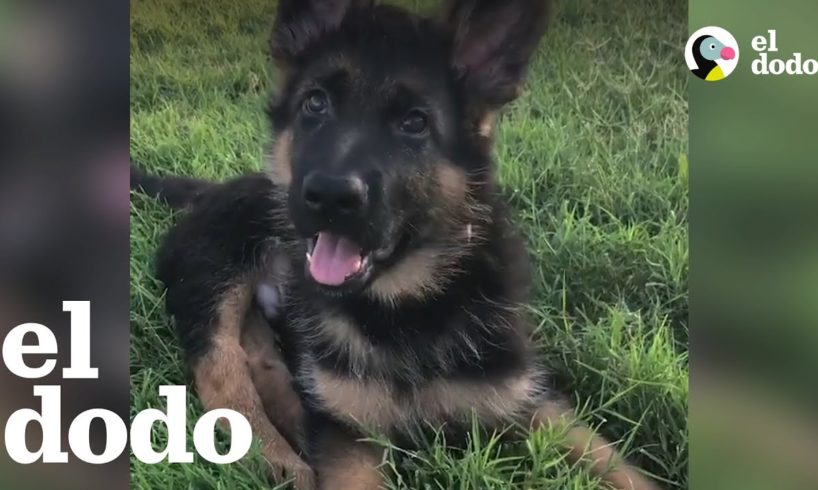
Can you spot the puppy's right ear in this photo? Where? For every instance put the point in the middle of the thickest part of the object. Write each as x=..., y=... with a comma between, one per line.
x=300, y=23
x=494, y=41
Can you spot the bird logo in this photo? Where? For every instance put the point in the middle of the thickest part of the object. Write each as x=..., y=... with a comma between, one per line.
x=711, y=53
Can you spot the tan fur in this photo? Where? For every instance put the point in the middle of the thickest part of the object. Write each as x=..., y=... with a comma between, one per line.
x=426, y=271
x=416, y=276
x=373, y=405
x=348, y=464
x=485, y=124
x=272, y=379
x=345, y=337
x=423, y=272
x=452, y=181
x=224, y=379
x=280, y=161
x=585, y=445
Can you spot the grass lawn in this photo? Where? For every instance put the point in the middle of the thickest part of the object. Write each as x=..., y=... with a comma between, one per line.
x=594, y=155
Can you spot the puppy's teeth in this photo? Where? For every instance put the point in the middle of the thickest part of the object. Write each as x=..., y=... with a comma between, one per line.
x=309, y=257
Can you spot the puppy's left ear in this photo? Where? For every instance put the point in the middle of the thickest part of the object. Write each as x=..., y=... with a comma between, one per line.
x=493, y=44
x=301, y=23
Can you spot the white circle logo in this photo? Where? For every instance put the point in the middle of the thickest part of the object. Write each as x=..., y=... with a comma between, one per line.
x=711, y=53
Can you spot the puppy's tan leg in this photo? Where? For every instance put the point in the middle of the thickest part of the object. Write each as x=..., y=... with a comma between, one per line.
x=272, y=379
x=344, y=463
x=585, y=445
x=223, y=379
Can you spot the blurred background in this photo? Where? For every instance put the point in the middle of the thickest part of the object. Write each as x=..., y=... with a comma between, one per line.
x=64, y=210
x=754, y=257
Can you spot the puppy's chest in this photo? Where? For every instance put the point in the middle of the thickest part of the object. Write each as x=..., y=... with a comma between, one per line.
x=378, y=405
x=394, y=390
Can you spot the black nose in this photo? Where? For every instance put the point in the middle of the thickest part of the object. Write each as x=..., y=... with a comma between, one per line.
x=330, y=195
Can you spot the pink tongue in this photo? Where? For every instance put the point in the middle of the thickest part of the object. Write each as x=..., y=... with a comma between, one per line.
x=333, y=259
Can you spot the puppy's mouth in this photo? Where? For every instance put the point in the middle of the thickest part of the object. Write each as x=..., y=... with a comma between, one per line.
x=334, y=260
x=339, y=263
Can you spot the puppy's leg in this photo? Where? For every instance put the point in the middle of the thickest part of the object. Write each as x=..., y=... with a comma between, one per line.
x=341, y=461
x=585, y=445
x=223, y=379
x=272, y=379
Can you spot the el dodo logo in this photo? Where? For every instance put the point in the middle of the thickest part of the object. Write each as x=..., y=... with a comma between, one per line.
x=711, y=53
x=770, y=64
x=16, y=356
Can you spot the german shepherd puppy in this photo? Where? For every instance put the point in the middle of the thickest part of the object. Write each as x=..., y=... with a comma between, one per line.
x=379, y=247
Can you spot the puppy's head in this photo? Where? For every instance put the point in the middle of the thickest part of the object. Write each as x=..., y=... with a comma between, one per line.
x=383, y=127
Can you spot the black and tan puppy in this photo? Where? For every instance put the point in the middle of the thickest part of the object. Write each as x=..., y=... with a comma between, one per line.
x=381, y=241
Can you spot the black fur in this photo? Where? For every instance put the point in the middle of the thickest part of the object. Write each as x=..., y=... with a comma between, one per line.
x=176, y=192
x=216, y=243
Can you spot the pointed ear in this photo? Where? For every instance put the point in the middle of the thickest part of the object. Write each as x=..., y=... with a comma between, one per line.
x=300, y=23
x=493, y=44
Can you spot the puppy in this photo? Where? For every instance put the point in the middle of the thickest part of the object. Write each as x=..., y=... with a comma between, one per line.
x=379, y=246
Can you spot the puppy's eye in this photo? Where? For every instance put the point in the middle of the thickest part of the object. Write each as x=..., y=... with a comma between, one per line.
x=316, y=103
x=414, y=123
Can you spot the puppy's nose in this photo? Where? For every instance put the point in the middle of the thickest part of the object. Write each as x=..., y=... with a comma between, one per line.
x=330, y=194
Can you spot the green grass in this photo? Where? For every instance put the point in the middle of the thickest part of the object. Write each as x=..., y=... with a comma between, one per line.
x=594, y=154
